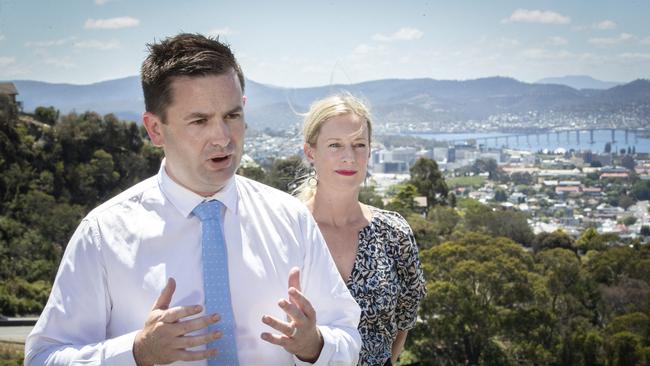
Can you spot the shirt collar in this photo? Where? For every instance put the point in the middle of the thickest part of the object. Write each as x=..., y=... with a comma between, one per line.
x=185, y=200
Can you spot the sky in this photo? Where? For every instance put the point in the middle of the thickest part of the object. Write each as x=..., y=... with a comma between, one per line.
x=292, y=43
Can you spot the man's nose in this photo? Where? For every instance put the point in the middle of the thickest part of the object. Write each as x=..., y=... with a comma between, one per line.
x=219, y=133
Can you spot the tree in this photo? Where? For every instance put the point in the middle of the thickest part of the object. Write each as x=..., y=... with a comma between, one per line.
x=556, y=239
x=47, y=115
x=368, y=196
x=625, y=201
x=253, y=172
x=488, y=165
x=404, y=199
x=467, y=315
x=500, y=195
x=628, y=162
x=285, y=172
x=608, y=147
x=429, y=182
x=451, y=199
x=645, y=230
x=641, y=190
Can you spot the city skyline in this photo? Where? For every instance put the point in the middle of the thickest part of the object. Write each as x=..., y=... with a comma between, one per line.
x=300, y=44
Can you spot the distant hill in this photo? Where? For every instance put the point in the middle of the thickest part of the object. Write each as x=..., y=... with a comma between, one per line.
x=580, y=82
x=392, y=100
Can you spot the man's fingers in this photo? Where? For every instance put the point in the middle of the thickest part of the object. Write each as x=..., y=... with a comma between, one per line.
x=303, y=304
x=294, y=278
x=189, y=326
x=293, y=311
x=198, y=340
x=280, y=326
x=196, y=355
x=179, y=312
x=165, y=297
x=275, y=339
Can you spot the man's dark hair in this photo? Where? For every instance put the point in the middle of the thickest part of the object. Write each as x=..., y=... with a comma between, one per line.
x=182, y=55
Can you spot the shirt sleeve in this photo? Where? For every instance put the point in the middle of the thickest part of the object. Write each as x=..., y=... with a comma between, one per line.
x=412, y=284
x=72, y=327
x=337, y=312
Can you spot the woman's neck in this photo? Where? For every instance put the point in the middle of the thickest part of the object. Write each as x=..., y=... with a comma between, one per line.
x=337, y=208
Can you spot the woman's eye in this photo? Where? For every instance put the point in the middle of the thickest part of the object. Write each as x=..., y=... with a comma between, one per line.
x=335, y=145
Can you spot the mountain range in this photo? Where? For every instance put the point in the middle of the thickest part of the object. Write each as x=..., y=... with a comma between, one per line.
x=580, y=82
x=392, y=100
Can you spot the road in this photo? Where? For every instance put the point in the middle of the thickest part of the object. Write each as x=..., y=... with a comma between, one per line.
x=14, y=334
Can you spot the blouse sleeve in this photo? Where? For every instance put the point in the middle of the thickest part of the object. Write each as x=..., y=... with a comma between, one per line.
x=411, y=278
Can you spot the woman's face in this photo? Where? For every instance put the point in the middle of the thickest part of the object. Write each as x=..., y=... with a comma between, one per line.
x=340, y=155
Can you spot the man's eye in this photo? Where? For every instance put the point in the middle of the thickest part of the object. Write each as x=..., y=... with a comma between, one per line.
x=233, y=116
x=198, y=121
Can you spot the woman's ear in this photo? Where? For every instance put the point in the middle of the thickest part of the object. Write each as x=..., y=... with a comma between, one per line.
x=309, y=152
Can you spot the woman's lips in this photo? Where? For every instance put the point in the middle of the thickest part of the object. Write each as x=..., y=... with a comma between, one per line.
x=346, y=172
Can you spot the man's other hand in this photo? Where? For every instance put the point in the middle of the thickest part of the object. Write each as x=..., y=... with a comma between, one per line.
x=164, y=337
x=300, y=335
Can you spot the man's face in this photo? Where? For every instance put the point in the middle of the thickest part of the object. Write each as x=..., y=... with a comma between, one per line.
x=203, y=135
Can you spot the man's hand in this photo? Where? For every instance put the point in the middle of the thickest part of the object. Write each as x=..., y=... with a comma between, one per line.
x=163, y=339
x=299, y=336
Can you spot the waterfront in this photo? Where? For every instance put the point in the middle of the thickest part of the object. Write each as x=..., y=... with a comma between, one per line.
x=575, y=139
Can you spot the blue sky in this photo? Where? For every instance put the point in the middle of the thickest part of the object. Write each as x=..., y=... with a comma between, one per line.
x=307, y=43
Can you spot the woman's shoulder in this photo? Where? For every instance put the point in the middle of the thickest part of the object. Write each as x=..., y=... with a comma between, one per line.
x=390, y=219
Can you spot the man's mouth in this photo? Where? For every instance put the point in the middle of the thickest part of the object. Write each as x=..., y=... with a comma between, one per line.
x=220, y=159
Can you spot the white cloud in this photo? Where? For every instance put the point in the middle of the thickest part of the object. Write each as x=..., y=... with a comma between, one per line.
x=225, y=31
x=605, y=24
x=6, y=61
x=51, y=43
x=546, y=55
x=557, y=41
x=112, y=23
x=2, y=36
x=610, y=41
x=60, y=62
x=559, y=56
x=404, y=34
x=504, y=42
x=364, y=49
x=537, y=16
x=635, y=56
x=645, y=40
x=98, y=45
x=101, y=2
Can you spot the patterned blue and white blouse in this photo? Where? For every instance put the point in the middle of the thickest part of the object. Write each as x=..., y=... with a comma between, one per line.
x=387, y=282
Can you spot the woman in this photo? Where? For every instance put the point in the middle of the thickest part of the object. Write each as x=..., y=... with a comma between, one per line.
x=374, y=250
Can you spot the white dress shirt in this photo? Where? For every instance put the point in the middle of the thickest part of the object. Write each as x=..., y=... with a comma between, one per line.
x=121, y=255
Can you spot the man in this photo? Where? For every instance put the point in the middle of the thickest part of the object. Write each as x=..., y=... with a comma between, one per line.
x=131, y=287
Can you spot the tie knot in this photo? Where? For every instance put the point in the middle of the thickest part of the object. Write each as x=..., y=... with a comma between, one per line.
x=209, y=210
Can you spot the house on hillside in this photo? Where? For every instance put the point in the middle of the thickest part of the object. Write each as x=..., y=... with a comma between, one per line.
x=10, y=90
x=8, y=102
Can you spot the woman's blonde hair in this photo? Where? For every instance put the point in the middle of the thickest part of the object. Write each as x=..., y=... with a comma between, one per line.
x=320, y=112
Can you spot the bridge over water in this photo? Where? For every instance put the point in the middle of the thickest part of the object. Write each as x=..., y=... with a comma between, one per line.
x=570, y=136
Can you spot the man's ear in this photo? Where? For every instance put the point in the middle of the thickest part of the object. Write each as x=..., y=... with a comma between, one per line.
x=309, y=153
x=153, y=124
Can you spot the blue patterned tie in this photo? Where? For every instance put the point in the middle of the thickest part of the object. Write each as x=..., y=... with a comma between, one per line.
x=215, y=283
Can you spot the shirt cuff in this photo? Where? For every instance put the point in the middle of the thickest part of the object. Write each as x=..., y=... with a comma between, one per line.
x=326, y=353
x=118, y=351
